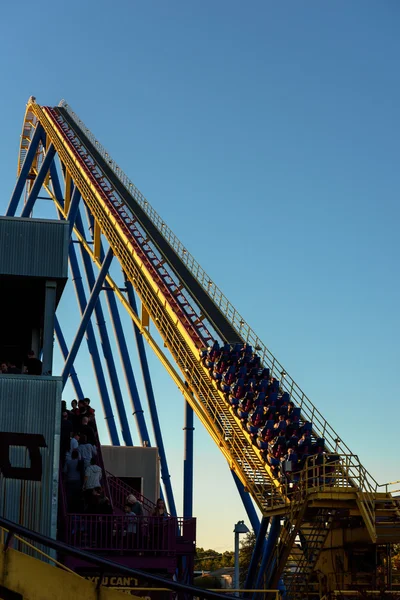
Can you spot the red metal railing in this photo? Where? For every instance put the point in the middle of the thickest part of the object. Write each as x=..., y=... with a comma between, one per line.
x=119, y=491
x=130, y=533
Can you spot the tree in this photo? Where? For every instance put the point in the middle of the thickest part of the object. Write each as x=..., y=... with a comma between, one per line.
x=245, y=554
x=210, y=560
x=207, y=582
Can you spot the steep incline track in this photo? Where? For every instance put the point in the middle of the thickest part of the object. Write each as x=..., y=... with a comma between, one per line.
x=180, y=333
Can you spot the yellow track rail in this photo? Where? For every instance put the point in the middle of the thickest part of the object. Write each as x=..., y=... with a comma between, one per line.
x=205, y=398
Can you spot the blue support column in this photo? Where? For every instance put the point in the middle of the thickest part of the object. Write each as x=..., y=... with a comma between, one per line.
x=73, y=209
x=123, y=349
x=94, y=296
x=40, y=177
x=269, y=549
x=94, y=353
x=64, y=351
x=247, y=503
x=255, y=557
x=165, y=476
x=105, y=340
x=19, y=186
x=56, y=182
x=138, y=413
x=188, y=463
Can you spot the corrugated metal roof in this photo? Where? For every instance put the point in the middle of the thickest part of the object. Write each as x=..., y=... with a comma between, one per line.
x=31, y=405
x=33, y=247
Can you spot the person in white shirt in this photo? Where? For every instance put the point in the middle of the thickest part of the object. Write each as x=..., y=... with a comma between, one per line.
x=86, y=451
x=93, y=475
x=73, y=445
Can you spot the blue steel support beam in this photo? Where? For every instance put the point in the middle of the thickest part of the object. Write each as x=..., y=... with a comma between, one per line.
x=165, y=476
x=105, y=340
x=247, y=503
x=255, y=557
x=56, y=182
x=91, y=340
x=94, y=296
x=123, y=349
x=93, y=350
x=64, y=351
x=188, y=463
x=73, y=209
x=269, y=549
x=40, y=177
x=127, y=367
x=19, y=186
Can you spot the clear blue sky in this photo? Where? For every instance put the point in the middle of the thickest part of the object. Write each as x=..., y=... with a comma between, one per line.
x=267, y=136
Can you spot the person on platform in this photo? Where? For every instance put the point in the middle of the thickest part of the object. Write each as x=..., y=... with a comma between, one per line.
x=87, y=430
x=33, y=364
x=73, y=480
x=74, y=444
x=86, y=451
x=12, y=369
x=93, y=475
x=136, y=506
x=66, y=432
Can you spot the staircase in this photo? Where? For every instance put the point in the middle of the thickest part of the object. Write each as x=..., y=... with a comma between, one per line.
x=312, y=537
x=119, y=491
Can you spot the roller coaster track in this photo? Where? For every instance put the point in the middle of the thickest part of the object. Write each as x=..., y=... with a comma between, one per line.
x=175, y=322
x=189, y=311
x=182, y=301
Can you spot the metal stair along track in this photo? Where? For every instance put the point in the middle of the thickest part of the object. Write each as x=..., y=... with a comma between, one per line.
x=207, y=400
x=313, y=536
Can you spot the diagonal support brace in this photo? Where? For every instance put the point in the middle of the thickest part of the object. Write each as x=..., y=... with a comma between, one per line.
x=19, y=186
x=37, y=186
x=86, y=316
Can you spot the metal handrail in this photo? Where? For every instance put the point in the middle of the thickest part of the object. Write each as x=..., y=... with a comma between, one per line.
x=347, y=473
x=321, y=427
x=107, y=565
x=115, y=484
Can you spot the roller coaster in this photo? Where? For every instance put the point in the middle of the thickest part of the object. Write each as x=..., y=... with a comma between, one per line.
x=327, y=525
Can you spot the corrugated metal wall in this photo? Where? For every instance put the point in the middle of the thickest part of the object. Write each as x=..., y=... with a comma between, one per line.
x=31, y=405
x=33, y=247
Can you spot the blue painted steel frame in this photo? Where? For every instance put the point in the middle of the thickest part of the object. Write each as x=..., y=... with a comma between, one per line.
x=80, y=292
x=64, y=350
x=188, y=462
x=93, y=350
x=255, y=557
x=105, y=340
x=137, y=407
x=247, y=503
x=40, y=177
x=269, y=548
x=94, y=296
x=73, y=209
x=21, y=181
x=165, y=476
x=123, y=351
